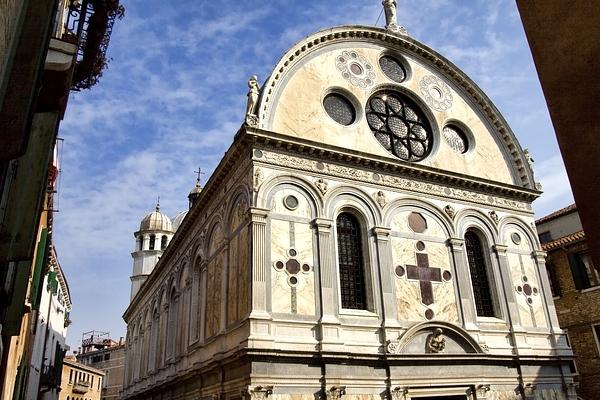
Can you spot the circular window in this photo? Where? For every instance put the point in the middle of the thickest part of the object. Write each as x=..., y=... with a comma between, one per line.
x=399, y=126
x=290, y=202
x=456, y=139
x=339, y=109
x=392, y=68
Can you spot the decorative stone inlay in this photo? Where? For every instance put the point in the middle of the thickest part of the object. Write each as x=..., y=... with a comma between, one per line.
x=355, y=69
x=425, y=274
x=394, y=182
x=290, y=202
x=399, y=393
x=292, y=267
x=417, y=222
x=435, y=93
x=527, y=290
x=321, y=184
x=436, y=342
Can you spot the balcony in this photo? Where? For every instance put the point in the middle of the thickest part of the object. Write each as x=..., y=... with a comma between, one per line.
x=81, y=387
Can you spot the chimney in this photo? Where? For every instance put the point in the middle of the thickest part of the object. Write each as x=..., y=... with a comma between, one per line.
x=121, y=341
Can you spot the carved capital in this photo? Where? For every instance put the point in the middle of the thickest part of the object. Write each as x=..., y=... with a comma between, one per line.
x=494, y=217
x=449, y=210
x=259, y=215
x=381, y=233
x=457, y=244
x=322, y=185
x=399, y=393
x=529, y=390
x=323, y=225
x=335, y=392
x=257, y=393
x=540, y=256
x=500, y=249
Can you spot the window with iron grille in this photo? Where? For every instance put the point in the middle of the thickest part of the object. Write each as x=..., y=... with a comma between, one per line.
x=479, y=275
x=352, y=275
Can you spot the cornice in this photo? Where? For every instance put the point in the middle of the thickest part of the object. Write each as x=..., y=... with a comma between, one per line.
x=389, y=172
x=367, y=33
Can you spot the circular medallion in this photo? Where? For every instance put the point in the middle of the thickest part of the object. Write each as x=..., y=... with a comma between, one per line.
x=516, y=238
x=290, y=202
x=435, y=92
x=429, y=314
x=418, y=224
x=420, y=245
x=400, y=271
x=292, y=266
x=305, y=267
x=527, y=289
x=279, y=265
x=355, y=69
x=446, y=275
x=258, y=153
x=292, y=252
x=293, y=281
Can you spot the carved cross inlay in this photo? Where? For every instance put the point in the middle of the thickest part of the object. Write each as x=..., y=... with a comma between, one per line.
x=425, y=274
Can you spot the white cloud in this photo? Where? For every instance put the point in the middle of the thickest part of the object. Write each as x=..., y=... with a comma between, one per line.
x=552, y=175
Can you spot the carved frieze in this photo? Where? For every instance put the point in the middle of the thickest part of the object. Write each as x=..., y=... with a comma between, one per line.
x=298, y=163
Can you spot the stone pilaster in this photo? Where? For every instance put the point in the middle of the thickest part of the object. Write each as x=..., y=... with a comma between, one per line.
x=329, y=324
x=540, y=263
x=202, y=307
x=224, y=287
x=517, y=331
x=463, y=282
x=386, y=277
x=259, y=262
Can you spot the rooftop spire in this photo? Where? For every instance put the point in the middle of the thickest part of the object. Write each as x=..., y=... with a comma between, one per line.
x=158, y=204
x=199, y=172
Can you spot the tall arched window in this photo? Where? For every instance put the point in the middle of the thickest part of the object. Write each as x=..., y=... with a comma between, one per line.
x=152, y=240
x=172, y=325
x=351, y=263
x=163, y=242
x=479, y=275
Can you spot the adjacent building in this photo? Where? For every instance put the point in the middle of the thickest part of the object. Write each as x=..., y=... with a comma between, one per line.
x=47, y=49
x=79, y=381
x=104, y=354
x=368, y=234
x=575, y=284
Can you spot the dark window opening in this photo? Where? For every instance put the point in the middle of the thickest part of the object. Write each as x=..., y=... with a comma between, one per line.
x=553, y=279
x=479, y=276
x=585, y=275
x=163, y=242
x=152, y=240
x=352, y=276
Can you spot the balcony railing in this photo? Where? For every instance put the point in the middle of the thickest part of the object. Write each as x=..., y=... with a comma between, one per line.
x=89, y=24
x=81, y=386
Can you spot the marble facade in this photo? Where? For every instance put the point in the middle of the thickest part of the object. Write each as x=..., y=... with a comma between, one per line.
x=247, y=296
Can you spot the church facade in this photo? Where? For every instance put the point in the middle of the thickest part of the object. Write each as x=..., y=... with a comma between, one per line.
x=368, y=235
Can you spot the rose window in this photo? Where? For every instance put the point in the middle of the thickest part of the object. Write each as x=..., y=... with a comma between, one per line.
x=399, y=126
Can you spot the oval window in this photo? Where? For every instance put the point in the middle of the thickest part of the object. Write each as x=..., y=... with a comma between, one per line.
x=339, y=108
x=392, y=68
x=456, y=139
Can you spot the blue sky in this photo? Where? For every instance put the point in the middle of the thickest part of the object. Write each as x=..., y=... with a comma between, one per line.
x=174, y=95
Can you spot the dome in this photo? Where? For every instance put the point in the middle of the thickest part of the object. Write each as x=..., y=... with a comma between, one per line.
x=178, y=219
x=156, y=221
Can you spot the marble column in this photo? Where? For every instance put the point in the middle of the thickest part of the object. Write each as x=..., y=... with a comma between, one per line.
x=224, y=287
x=259, y=263
x=203, y=292
x=467, y=311
x=386, y=277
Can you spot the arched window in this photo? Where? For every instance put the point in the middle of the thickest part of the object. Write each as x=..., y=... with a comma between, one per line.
x=152, y=240
x=479, y=275
x=351, y=263
x=163, y=242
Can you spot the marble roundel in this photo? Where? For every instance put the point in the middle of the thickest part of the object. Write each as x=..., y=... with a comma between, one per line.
x=435, y=92
x=355, y=69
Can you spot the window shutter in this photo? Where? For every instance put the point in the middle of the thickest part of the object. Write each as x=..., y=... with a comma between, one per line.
x=578, y=271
